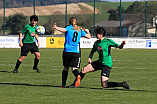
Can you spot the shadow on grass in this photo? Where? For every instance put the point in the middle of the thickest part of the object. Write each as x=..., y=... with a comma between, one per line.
x=24, y=84
x=116, y=89
x=6, y=71
x=120, y=89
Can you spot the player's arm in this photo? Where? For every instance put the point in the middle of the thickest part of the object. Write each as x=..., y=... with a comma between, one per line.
x=20, y=40
x=122, y=44
x=36, y=37
x=88, y=36
x=59, y=28
x=91, y=53
x=90, y=58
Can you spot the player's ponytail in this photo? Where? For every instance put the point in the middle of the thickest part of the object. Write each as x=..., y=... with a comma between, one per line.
x=73, y=21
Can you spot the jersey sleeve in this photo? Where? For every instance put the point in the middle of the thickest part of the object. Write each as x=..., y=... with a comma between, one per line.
x=67, y=28
x=94, y=48
x=83, y=33
x=113, y=44
x=24, y=29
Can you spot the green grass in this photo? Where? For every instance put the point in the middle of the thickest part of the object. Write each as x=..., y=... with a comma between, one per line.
x=136, y=66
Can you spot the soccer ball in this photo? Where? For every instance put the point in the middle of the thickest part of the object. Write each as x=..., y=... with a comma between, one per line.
x=40, y=30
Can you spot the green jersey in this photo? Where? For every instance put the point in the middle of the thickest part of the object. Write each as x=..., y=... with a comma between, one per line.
x=29, y=34
x=103, y=47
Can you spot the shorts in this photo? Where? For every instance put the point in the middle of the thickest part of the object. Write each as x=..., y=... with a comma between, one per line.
x=99, y=66
x=71, y=59
x=32, y=47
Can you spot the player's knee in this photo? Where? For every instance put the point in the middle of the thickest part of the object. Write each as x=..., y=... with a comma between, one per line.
x=83, y=70
x=21, y=58
x=38, y=56
x=104, y=84
x=66, y=68
x=74, y=68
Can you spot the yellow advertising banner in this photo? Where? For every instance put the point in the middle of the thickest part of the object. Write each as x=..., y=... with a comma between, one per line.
x=55, y=42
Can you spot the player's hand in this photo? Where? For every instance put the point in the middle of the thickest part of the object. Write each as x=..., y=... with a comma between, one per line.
x=21, y=44
x=89, y=61
x=54, y=26
x=86, y=30
x=123, y=42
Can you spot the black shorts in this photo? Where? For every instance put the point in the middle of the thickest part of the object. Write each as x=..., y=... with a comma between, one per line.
x=32, y=47
x=71, y=59
x=98, y=66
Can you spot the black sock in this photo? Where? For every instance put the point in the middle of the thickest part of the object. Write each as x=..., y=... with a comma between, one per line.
x=114, y=84
x=17, y=64
x=82, y=76
x=76, y=73
x=64, y=77
x=36, y=61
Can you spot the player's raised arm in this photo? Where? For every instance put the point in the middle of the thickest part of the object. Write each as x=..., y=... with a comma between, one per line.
x=122, y=44
x=88, y=36
x=59, y=28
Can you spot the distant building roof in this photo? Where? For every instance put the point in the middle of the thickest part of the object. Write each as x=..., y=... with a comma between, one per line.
x=112, y=23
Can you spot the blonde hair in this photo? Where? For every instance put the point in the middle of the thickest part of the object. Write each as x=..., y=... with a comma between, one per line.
x=73, y=21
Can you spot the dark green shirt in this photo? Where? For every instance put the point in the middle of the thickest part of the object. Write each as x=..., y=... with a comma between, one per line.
x=29, y=34
x=103, y=47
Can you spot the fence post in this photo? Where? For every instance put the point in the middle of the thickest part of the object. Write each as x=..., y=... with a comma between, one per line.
x=146, y=19
x=94, y=18
x=34, y=7
x=120, y=18
x=66, y=13
x=4, y=18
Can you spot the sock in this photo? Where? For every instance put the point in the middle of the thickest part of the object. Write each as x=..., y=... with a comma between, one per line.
x=36, y=61
x=114, y=84
x=17, y=64
x=82, y=76
x=64, y=77
x=76, y=73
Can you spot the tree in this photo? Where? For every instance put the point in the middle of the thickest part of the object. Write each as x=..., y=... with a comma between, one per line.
x=114, y=16
x=135, y=8
x=16, y=22
x=122, y=9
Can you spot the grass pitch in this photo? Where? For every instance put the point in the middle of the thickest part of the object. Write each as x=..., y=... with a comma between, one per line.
x=136, y=66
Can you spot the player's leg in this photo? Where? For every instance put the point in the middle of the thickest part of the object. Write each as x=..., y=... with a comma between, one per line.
x=18, y=63
x=77, y=75
x=64, y=76
x=94, y=66
x=84, y=70
x=24, y=52
x=35, y=50
x=105, y=77
x=36, y=61
x=75, y=64
x=118, y=84
x=66, y=64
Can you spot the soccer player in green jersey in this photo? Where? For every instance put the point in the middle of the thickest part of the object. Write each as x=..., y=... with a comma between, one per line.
x=28, y=43
x=104, y=63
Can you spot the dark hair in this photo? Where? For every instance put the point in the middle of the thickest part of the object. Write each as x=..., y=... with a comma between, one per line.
x=100, y=30
x=34, y=17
